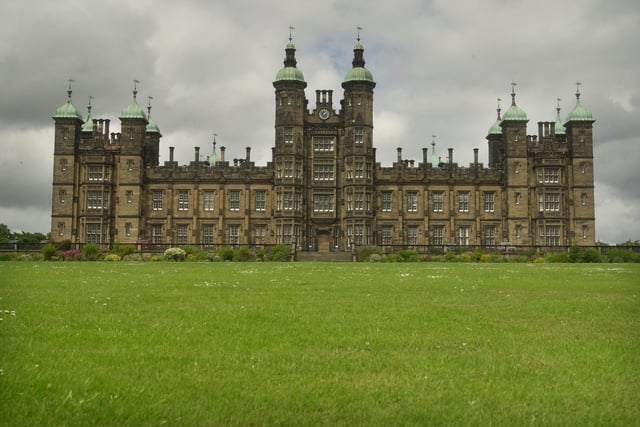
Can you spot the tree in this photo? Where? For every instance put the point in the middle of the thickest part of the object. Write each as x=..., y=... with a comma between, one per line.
x=5, y=233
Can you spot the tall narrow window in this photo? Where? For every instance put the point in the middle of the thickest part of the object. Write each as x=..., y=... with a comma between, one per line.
x=387, y=201
x=359, y=205
x=234, y=234
x=412, y=235
x=463, y=236
x=360, y=169
x=463, y=201
x=129, y=195
x=234, y=200
x=288, y=135
x=261, y=200
x=63, y=164
x=260, y=235
x=437, y=237
x=412, y=201
x=490, y=235
x=287, y=201
x=583, y=199
x=62, y=196
x=489, y=202
x=438, y=201
x=130, y=164
x=358, y=237
x=517, y=197
x=127, y=229
x=157, y=200
x=288, y=169
x=183, y=200
x=208, y=201
x=359, y=136
x=61, y=229
x=181, y=234
x=156, y=234
x=208, y=231
x=387, y=235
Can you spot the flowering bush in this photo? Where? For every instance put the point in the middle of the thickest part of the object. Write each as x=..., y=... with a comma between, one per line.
x=112, y=257
x=175, y=254
x=72, y=255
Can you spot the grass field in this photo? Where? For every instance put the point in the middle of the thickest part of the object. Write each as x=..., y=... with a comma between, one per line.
x=97, y=343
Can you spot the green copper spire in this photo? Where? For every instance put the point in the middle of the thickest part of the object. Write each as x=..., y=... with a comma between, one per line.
x=151, y=125
x=67, y=110
x=579, y=113
x=290, y=72
x=133, y=110
x=496, y=129
x=358, y=72
x=514, y=113
x=88, y=124
x=558, y=128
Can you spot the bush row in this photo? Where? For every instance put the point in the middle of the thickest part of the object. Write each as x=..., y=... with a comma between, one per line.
x=575, y=255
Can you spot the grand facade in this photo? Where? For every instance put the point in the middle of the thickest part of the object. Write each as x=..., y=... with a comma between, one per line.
x=323, y=190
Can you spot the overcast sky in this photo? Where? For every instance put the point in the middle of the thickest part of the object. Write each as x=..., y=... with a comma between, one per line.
x=209, y=65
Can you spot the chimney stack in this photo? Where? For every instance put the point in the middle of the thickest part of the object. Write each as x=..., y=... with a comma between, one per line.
x=399, y=154
x=248, y=154
x=171, y=153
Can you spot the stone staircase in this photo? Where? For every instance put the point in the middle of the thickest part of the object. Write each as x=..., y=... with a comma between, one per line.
x=323, y=256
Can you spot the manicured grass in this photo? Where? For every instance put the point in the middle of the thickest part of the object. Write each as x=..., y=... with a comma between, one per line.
x=319, y=344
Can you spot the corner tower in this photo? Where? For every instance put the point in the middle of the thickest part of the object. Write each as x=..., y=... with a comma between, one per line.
x=358, y=152
x=288, y=153
x=64, y=203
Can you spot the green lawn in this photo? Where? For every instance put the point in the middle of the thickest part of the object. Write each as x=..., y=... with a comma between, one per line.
x=98, y=343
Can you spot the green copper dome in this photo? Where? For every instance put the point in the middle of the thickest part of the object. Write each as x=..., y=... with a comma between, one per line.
x=358, y=74
x=152, y=126
x=67, y=111
x=579, y=114
x=289, y=73
x=133, y=111
x=88, y=124
x=515, y=113
x=496, y=129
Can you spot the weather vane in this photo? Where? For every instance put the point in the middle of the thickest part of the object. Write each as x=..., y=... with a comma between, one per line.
x=291, y=28
x=359, y=28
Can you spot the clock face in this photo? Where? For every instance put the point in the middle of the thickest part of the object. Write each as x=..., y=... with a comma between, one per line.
x=324, y=114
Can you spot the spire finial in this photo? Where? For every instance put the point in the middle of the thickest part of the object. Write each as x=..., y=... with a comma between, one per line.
x=69, y=90
x=291, y=28
x=359, y=28
x=513, y=92
x=149, y=105
x=578, y=84
x=558, y=105
x=433, y=141
x=214, y=141
x=89, y=105
x=135, y=88
x=499, y=109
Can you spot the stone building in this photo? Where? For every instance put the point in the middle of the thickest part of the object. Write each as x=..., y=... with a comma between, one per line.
x=323, y=189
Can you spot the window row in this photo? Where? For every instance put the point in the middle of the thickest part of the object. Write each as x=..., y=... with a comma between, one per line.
x=208, y=200
x=437, y=201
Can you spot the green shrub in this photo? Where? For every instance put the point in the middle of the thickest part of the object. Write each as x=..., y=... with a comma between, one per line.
x=261, y=254
x=409, y=255
x=124, y=250
x=48, y=251
x=133, y=257
x=393, y=257
x=201, y=256
x=558, y=257
x=90, y=252
x=191, y=258
x=175, y=254
x=225, y=254
x=365, y=254
x=6, y=257
x=375, y=258
x=279, y=253
x=622, y=255
x=64, y=245
x=242, y=254
x=189, y=250
x=112, y=257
